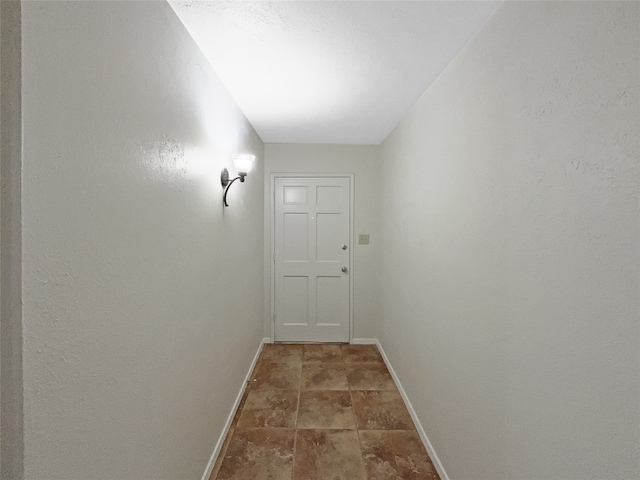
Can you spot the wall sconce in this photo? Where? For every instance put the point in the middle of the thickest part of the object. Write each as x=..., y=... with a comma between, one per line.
x=242, y=163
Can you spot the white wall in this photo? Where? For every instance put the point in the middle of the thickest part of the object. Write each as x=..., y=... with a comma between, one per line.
x=142, y=296
x=510, y=234
x=363, y=162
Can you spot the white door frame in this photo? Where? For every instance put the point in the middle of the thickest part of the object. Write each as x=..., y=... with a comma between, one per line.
x=272, y=196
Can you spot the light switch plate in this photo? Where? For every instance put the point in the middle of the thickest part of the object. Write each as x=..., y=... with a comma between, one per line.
x=363, y=239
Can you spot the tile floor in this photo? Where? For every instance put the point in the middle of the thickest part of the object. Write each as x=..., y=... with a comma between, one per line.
x=322, y=412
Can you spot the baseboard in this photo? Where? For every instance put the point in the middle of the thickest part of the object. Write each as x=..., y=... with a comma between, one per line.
x=364, y=341
x=423, y=436
x=236, y=404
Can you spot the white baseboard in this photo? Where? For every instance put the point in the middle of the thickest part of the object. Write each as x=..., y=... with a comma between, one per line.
x=423, y=436
x=364, y=341
x=236, y=404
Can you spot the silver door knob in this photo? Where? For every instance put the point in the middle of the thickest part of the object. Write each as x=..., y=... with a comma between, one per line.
x=345, y=269
x=344, y=247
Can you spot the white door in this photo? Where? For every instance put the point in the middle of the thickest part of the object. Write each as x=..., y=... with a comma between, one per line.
x=312, y=241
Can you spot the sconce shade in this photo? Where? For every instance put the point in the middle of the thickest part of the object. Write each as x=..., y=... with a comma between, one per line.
x=243, y=163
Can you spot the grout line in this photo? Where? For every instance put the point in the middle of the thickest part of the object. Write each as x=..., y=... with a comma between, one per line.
x=295, y=444
x=355, y=418
x=295, y=425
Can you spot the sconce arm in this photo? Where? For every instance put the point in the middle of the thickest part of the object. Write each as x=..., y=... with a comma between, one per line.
x=224, y=198
x=226, y=182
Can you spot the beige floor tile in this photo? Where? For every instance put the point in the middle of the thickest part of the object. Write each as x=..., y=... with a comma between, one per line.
x=317, y=376
x=281, y=353
x=322, y=354
x=361, y=354
x=369, y=376
x=270, y=408
x=328, y=454
x=325, y=410
x=381, y=410
x=259, y=454
x=396, y=455
x=276, y=376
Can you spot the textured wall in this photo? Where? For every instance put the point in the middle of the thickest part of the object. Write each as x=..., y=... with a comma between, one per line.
x=11, y=446
x=364, y=163
x=510, y=234
x=143, y=302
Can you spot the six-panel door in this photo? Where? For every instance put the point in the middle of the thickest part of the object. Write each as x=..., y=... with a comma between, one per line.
x=311, y=255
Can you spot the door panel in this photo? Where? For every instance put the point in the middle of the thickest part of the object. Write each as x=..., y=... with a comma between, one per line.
x=312, y=228
x=296, y=243
x=330, y=300
x=295, y=195
x=327, y=195
x=296, y=303
x=326, y=226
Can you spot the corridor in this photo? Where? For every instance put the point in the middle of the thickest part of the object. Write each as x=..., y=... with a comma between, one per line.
x=322, y=412
x=446, y=191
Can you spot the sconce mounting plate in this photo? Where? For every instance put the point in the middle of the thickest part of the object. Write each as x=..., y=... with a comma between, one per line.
x=224, y=177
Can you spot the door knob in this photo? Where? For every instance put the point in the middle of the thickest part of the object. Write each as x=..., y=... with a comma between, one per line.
x=345, y=269
x=344, y=247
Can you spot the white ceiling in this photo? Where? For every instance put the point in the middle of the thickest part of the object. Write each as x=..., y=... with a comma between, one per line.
x=341, y=72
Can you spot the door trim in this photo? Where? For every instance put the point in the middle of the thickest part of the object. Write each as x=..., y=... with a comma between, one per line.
x=272, y=210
